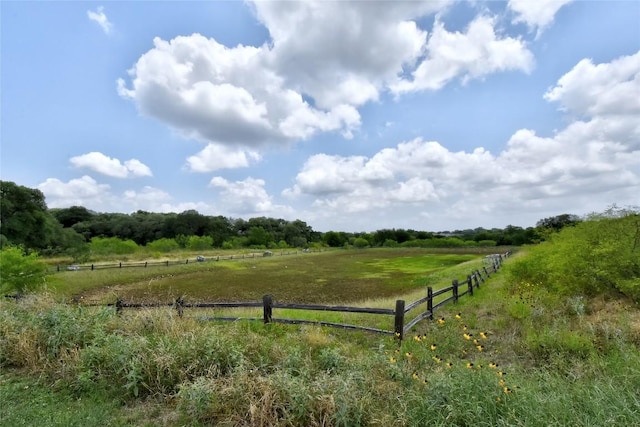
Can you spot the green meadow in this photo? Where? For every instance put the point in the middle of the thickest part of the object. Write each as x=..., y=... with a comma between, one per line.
x=514, y=353
x=342, y=276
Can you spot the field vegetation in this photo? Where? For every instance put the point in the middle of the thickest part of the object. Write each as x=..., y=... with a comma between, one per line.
x=541, y=343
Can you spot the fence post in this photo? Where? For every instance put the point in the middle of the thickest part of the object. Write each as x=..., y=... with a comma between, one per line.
x=477, y=277
x=91, y=267
x=267, y=304
x=58, y=267
x=119, y=305
x=120, y=265
x=455, y=291
x=470, y=285
x=145, y=264
x=430, y=302
x=180, y=306
x=187, y=261
x=167, y=263
x=399, y=320
x=486, y=271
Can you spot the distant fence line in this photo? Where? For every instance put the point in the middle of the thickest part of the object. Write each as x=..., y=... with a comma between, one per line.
x=401, y=325
x=167, y=263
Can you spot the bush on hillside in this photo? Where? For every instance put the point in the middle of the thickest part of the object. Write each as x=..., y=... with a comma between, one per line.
x=600, y=254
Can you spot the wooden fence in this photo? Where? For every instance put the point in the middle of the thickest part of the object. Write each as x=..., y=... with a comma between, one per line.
x=433, y=300
x=167, y=263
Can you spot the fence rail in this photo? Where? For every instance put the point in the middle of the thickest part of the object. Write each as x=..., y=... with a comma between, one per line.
x=167, y=263
x=401, y=325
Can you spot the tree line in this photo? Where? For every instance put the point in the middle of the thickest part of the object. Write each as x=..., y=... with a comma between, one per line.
x=25, y=220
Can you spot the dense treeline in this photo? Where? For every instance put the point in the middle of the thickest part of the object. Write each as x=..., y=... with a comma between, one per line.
x=76, y=231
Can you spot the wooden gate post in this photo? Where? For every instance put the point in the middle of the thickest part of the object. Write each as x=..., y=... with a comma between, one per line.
x=470, y=285
x=267, y=305
x=455, y=291
x=399, y=319
x=430, y=302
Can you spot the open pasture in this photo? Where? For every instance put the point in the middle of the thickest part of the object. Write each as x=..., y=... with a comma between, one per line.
x=330, y=277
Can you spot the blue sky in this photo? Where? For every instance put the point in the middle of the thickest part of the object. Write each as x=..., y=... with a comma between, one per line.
x=351, y=116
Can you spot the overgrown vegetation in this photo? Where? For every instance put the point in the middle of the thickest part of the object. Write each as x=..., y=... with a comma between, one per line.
x=513, y=354
x=552, y=340
x=599, y=255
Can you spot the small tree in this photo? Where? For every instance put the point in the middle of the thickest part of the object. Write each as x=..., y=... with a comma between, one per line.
x=360, y=243
x=20, y=272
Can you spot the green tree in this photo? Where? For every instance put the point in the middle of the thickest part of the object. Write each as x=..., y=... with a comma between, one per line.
x=258, y=237
x=360, y=242
x=20, y=272
x=68, y=217
x=334, y=239
x=558, y=222
x=23, y=215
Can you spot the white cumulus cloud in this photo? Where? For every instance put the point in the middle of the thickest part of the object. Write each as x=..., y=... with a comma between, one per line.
x=109, y=166
x=84, y=191
x=245, y=197
x=470, y=55
x=214, y=157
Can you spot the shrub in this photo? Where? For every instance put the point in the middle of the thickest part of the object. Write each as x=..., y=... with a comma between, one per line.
x=163, y=245
x=112, y=245
x=601, y=254
x=20, y=272
x=199, y=243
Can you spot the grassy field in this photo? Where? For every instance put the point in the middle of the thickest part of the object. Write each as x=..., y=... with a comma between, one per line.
x=327, y=277
x=513, y=354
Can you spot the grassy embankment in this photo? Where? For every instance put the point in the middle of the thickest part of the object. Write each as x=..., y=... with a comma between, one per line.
x=540, y=360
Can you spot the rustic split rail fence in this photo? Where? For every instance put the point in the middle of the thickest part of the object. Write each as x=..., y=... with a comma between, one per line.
x=433, y=300
x=167, y=263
